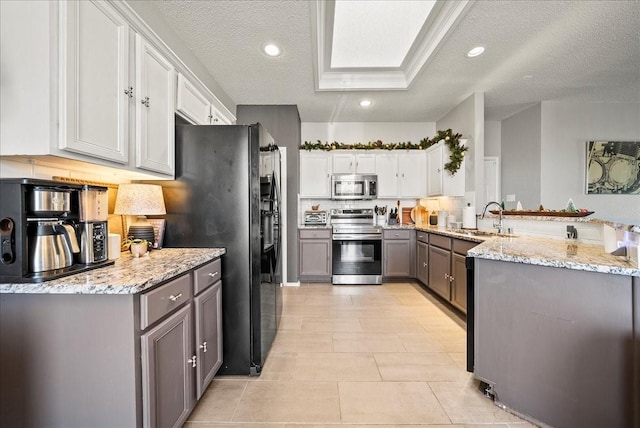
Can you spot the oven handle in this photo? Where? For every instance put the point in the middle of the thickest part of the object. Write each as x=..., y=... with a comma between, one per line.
x=357, y=237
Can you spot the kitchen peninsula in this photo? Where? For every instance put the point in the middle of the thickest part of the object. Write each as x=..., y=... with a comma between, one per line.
x=110, y=347
x=557, y=331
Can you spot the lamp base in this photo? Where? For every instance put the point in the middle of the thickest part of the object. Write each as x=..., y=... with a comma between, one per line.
x=141, y=232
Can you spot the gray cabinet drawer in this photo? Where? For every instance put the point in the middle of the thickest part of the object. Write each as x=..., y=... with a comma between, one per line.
x=314, y=233
x=207, y=275
x=461, y=247
x=397, y=234
x=422, y=236
x=440, y=241
x=162, y=300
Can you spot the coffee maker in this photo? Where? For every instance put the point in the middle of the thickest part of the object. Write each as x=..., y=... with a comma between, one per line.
x=39, y=229
x=93, y=204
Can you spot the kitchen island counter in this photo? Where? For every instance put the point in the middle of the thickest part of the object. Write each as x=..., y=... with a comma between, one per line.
x=128, y=275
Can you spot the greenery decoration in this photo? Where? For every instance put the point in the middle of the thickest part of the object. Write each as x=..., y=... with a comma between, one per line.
x=450, y=139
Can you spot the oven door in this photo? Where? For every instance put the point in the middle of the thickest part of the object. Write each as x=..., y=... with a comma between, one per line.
x=356, y=259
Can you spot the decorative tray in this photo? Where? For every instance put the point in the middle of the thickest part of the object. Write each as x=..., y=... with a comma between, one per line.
x=546, y=213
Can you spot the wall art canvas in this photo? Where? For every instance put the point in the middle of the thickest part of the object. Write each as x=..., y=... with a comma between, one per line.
x=613, y=167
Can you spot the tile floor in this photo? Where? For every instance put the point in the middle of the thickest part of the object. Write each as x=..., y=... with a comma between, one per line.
x=360, y=356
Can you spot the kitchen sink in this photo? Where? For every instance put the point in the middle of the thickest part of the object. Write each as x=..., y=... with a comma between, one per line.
x=483, y=233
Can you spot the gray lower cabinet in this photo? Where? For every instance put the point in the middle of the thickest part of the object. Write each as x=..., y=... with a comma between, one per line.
x=314, y=249
x=110, y=360
x=398, y=254
x=167, y=370
x=422, y=257
x=439, y=265
x=459, y=282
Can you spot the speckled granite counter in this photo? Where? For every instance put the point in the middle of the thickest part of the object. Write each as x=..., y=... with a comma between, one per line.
x=555, y=253
x=128, y=275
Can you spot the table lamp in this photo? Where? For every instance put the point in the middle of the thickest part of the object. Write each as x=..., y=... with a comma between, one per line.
x=140, y=200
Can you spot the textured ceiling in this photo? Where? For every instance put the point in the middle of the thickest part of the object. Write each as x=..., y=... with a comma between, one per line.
x=586, y=51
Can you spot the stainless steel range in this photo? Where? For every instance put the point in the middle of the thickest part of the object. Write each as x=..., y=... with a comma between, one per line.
x=356, y=247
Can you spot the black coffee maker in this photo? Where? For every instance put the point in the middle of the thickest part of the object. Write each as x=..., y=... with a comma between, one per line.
x=39, y=230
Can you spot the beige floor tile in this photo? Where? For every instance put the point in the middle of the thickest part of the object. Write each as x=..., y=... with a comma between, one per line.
x=307, y=310
x=231, y=425
x=328, y=300
x=290, y=322
x=302, y=341
x=460, y=359
x=336, y=367
x=219, y=401
x=279, y=366
x=293, y=299
x=390, y=325
x=367, y=342
x=422, y=342
x=341, y=425
x=363, y=312
x=410, y=366
x=329, y=324
x=374, y=300
x=289, y=402
x=390, y=402
x=465, y=404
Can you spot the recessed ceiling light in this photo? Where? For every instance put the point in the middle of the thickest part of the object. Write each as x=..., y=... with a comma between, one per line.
x=272, y=49
x=365, y=103
x=478, y=50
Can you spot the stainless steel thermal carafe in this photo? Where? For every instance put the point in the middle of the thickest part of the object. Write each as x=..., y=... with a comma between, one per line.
x=50, y=247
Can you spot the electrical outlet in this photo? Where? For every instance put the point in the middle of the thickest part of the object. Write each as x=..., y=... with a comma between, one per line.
x=511, y=198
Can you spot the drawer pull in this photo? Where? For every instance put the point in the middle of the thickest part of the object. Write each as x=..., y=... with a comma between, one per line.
x=204, y=346
x=213, y=274
x=192, y=361
x=176, y=297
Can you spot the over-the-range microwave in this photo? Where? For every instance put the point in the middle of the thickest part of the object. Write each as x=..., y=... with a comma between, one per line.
x=354, y=186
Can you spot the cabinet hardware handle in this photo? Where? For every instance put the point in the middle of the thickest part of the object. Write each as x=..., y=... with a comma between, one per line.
x=192, y=361
x=213, y=275
x=176, y=297
x=215, y=120
x=145, y=101
x=204, y=346
x=129, y=91
x=446, y=276
x=451, y=279
x=210, y=117
x=439, y=170
x=424, y=265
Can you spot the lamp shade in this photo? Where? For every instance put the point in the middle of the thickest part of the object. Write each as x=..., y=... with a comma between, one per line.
x=139, y=199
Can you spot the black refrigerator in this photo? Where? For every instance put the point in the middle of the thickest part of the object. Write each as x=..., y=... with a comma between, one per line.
x=226, y=194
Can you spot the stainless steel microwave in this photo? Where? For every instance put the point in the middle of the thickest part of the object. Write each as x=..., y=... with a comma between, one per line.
x=354, y=186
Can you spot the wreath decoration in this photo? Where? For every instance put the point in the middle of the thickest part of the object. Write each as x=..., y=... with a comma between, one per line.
x=452, y=141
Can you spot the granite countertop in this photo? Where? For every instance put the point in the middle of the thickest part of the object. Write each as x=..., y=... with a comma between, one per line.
x=128, y=275
x=558, y=253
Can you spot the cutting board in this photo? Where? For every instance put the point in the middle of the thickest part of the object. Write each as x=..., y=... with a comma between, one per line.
x=406, y=215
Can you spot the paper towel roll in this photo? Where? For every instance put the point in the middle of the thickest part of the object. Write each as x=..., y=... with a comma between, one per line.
x=469, y=217
x=114, y=246
x=609, y=238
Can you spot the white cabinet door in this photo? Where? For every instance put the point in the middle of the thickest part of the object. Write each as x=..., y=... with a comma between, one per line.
x=95, y=90
x=387, y=171
x=412, y=169
x=365, y=163
x=315, y=174
x=191, y=104
x=343, y=163
x=155, y=89
x=440, y=182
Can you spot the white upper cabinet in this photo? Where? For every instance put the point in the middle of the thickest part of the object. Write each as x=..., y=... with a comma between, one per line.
x=440, y=182
x=412, y=174
x=354, y=163
x=196, y=107
x=155, y=95
x=191, y=104
x=96, y=90
x=315, y=174
x=387, y=171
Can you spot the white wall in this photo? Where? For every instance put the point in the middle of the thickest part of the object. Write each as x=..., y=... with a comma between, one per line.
x=520, y=159
x=363, y=132
x=566, y=127
x=492, y=137
x=467, y=118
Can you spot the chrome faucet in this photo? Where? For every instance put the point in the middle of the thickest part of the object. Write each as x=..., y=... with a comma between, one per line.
x=499, y=224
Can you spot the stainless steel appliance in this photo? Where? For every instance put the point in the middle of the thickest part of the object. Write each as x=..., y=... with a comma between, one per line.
x=92, y=226
x=356, y=247
x=315, y=218
x=354, y=186
x=39, y=221
x=226, y=194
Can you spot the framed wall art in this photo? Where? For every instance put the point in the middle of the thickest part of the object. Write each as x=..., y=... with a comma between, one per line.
x=613, y=167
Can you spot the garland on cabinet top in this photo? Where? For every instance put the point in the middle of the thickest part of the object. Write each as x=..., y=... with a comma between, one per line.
x=451, y=140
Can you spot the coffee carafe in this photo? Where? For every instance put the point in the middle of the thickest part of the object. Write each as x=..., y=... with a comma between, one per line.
x=52, y=245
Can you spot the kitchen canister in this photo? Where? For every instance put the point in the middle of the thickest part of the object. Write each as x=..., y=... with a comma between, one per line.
x=469, y=217
x=113, y=246
x=442, y=218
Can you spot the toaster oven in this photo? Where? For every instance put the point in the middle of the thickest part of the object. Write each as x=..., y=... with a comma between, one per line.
x=315, y=218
